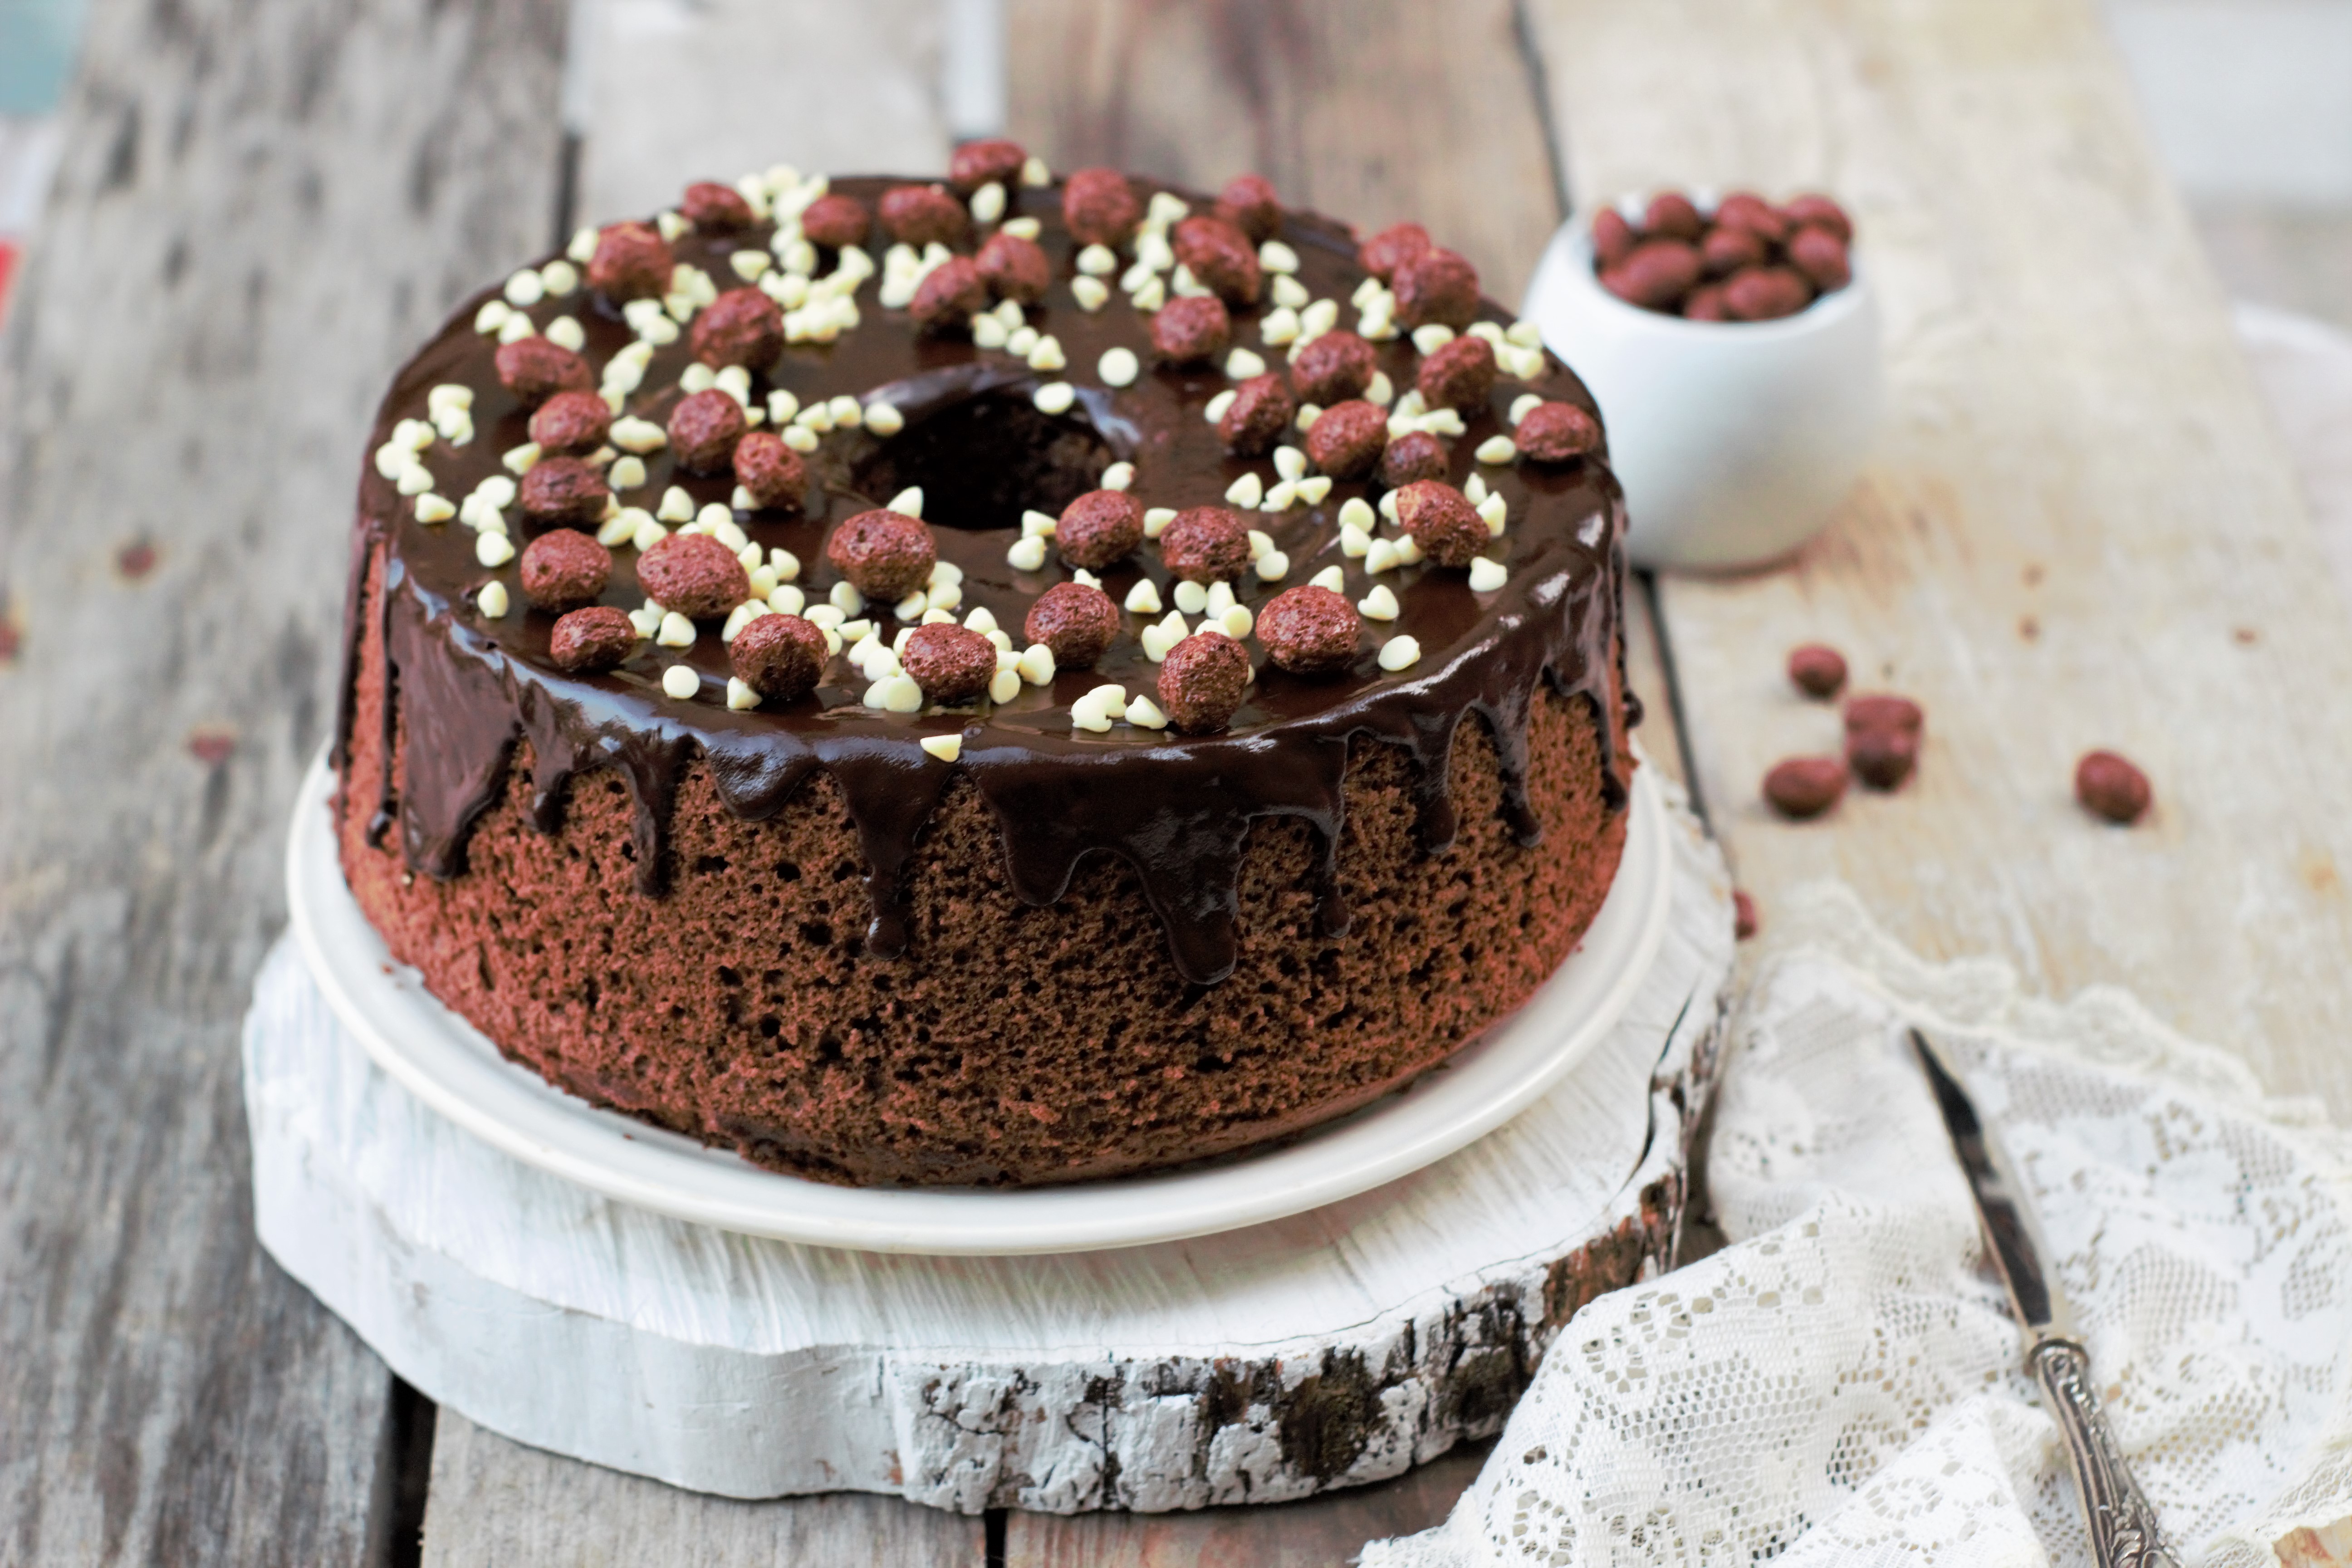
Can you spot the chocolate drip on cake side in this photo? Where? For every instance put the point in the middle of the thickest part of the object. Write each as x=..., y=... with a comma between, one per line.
x=466, y=689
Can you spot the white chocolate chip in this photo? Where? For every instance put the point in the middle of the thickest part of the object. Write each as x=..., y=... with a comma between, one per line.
x=525, y=288
x=415, y=479
x=677, y=506
x=492, y=316
x=1408, y=551
x=646, y=621
x=947, y=748
x=1246, y=492
x=1220, y=599
x=1215, y=411
x=1166, y=210
x=1289, y=293
x=1278, y=326
x=1380, y=605
x=988, y=203
x=620, y=528
x=1005, y=684
x=1260, y=542
x=492, y=600
x=1277, y=257
x=1354, y=540
x=1388, y=506
x=1380, y=392
x=1241, y=364
x=675, y=631
x=785, y=564
x=494, y=550
x=1091, y=293
x=898, y=694
x=1524, y=405
x=628, y=473
x=632, y=433
x=1497, y=515
x=1036, y=664
x=1097, y=261
x=680, y=682
x=909, y=500
x=1433, y=336
x=750, y=264
x=1237, y=621
x=432, y=508
x=884, y=418
x=583, y=249
x=736, y=383
x=801, y=438
x=1526, y=335
x=1021, y=340
x=740, y=698
x=1055, y=397
x=1118, y=476
x=1156, y=520
x=516, y=328
x=787, y=599
x=1474, y=489
x=1047, y=354
x=1028, y=554
x=1034, y=173
x=946, y=596
x=1192, y=597
x=913, y=606
x=672, y=224
x=988, y=332
x=1330, y=577
x=1314, y=488
x=1317, y=318
x=1489, y=330
x=981, y=619
x=846, y=598
x=1151, y=296
x=1273, y=566
x=649, y=532
x=1442, y=422
x=1022, y=227
x=1118, y=367
x=1086, y=578
x=1400, y=652
x=1485, y=575
x=1380, y=556
x=1290, y=462
x=1143, y=599
x=1037, y=524
x=1279, y=496
x=741, y=615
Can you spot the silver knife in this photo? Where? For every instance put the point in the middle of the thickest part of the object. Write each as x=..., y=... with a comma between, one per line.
x=2123, y=1526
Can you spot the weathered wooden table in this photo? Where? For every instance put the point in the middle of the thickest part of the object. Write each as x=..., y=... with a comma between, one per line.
x=2081, y=531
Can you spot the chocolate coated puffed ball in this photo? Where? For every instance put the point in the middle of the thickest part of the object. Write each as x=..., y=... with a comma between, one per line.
x=1221, y=258
x=1391, y=247
x=1822, y=257
x=952, y=664
x=779, y=657
x=1346, y=439
x=1670, y=214
x=1800, y=788
x=703, y=430
x=994, y=161
x=633, y=261
x=718, y=208
x=1259, y=417
x=1817, y=669
x=1441, y=520
x=1078, y=623
x=1333, y=368
x=571, y=422
x=1415, y=455
x=835, y=220
x=1100, y=207
x=950, y=296
x=1460, y=375
x=1746, y=209
x=1743, y=915
x=1015, y=269
x=922, y=215
x=1249, y=203
x=1557, y=433
x=770, y=471
x=562, y=492
x=1308, y=630
x=1206, y=544
x=1612, y=237
x=693, y=574
x=1766, y=293
x=1656, y=274
x=1705, y=304
x=535, y=370
x=1098, y=528
x=2110, y=786
x=1437, y=285
x=886, y=554
x=1191, y=328
x=1202, y=682
x=586, y=641
x=742, y=327
x=1822, y=212
x=1882, y=738
x=564, y=569
x=1727, y=251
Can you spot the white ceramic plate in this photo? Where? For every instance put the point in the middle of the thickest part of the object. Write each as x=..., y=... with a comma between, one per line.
x=452, y=1067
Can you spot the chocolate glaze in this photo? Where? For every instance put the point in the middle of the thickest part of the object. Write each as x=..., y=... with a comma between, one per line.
x=1178, y=809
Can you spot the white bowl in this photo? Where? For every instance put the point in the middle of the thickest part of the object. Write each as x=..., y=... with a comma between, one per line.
x=1734, y=440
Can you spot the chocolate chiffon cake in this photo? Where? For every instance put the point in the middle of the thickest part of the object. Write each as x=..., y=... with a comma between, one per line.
x=1016, y=679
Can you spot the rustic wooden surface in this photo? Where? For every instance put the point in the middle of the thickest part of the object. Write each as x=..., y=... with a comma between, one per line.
x=497, y=1504
x=257, y=218
x=2082, y=531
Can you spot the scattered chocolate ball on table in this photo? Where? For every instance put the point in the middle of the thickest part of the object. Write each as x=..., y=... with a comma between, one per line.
x=1747, y=261
x=2111, y=787
x=1802, y=788
x=1882, y=739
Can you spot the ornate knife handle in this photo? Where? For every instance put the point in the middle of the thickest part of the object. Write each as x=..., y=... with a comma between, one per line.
x=2123, y=1526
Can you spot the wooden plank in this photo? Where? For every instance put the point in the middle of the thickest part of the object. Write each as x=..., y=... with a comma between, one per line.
x=705, y=90
x=499, y=1503
x=1371, y=113
x=262, y=207
x=2081, y=531
x=1311, y=1534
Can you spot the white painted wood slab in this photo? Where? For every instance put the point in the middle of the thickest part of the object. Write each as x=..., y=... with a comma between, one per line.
x=1330, y=1348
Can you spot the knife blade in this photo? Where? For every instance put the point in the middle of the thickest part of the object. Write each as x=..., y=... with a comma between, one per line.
x=2123, y=1525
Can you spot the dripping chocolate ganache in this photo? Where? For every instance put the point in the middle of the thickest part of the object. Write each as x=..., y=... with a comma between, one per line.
x=863, y=853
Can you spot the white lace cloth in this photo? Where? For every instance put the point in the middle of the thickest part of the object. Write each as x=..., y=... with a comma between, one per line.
x=1842, y=1384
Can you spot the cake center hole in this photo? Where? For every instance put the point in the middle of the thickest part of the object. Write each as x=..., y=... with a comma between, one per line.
x=983, y=461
